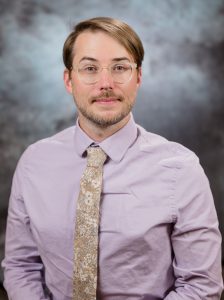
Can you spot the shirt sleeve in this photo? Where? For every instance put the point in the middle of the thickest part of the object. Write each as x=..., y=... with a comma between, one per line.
x=22, y=265
x=196, y=239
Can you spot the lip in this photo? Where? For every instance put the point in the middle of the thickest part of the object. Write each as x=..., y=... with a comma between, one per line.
x=106, y=100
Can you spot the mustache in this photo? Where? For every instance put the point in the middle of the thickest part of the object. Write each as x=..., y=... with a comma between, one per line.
x=107, y=94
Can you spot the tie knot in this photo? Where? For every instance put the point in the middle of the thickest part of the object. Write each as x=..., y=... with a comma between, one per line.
x=95, y=157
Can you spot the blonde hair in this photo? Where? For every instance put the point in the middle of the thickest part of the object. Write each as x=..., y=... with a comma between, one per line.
x=117, y=29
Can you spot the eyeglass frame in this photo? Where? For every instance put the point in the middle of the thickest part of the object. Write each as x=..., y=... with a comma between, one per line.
x=132, y=64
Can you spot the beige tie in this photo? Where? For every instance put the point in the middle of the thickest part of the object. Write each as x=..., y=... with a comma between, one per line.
x=87, y=224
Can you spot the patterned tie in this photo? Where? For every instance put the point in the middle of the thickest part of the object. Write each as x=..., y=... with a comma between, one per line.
x=87, y=224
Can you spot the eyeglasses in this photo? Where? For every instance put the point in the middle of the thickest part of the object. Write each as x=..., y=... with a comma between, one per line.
x=90, y=72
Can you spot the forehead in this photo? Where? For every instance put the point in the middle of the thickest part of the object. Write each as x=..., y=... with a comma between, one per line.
x=100, y=46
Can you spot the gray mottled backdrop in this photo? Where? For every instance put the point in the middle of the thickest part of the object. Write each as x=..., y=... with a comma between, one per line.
x=182, y=95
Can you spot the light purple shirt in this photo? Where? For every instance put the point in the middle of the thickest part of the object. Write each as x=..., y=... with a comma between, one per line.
x=159, y=236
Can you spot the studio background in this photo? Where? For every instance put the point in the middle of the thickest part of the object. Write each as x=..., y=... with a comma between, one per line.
x=181, y=97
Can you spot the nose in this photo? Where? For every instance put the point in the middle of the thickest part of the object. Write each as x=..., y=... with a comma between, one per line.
x=105, y=79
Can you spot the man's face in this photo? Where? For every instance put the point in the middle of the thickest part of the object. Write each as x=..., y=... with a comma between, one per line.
x=105, y=102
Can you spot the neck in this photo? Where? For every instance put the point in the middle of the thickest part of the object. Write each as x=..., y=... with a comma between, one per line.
x=97, y=133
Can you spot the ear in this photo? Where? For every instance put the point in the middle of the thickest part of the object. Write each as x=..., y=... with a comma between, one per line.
x=139, y=76
x=67, y=80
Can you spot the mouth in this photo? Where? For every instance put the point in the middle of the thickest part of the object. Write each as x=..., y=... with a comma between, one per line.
x=107, y=100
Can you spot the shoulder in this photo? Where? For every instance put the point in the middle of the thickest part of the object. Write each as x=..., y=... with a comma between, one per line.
x=61, y=138
x=182, y=167
x=168, y=153
x=50, y=146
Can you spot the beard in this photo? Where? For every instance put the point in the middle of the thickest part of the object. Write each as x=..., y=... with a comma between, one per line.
x=107, y=120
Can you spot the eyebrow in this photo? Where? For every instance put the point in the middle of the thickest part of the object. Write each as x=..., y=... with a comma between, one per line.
x=96, y=60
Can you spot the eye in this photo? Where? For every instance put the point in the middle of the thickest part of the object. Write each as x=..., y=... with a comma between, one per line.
x=89, y=69
x=120, y=68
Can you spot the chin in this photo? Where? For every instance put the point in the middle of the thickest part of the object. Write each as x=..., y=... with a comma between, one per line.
x=108, y=120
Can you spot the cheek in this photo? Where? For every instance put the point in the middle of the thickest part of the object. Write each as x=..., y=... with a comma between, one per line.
x=131, y=92
x=81, y=93
x=76, y=88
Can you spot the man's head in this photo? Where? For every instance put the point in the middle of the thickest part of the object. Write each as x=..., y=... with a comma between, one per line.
x=117, y=29
x=103, y=58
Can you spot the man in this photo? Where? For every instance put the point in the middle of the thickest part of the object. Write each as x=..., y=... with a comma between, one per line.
x=156, y=230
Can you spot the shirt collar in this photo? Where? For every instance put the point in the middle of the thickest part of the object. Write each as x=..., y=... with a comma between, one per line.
x=115, y=146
